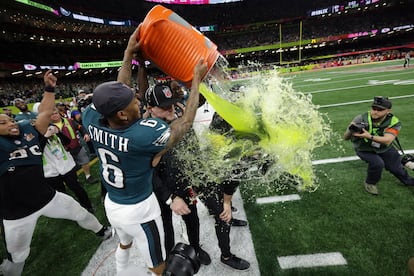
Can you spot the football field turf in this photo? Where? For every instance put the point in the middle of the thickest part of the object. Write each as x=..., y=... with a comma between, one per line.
x=374, y=234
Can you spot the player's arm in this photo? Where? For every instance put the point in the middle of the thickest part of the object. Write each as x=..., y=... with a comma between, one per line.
x=47, y=104
x=181, y=125
x=125, y=73
x=386, y=139
x=142, y=78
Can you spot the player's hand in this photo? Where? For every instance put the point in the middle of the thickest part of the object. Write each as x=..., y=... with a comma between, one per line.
x=179, y=206
x=133, y=43
x=364, y=134
x=86, y=137
x=226, y=214
x=49, y=79
x=200, y=70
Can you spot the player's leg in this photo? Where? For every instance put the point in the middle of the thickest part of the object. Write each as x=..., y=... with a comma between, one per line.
x=71, y=180
x=148, y=236
x=123, y=250
x=56, y=183
x=17, y=236
x=150, y=241
x=192, y=223
x=392, y=160
x=66, y=207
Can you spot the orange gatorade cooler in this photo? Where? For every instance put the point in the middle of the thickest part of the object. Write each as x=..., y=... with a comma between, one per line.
x=173, y=45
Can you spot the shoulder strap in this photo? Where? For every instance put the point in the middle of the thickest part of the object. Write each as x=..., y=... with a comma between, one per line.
x=398, y=145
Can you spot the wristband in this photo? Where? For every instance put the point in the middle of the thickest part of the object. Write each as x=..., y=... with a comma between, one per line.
x=372, y=137
x=50, y=89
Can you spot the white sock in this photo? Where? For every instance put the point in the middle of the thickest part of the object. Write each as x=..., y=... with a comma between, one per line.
x=122, y=258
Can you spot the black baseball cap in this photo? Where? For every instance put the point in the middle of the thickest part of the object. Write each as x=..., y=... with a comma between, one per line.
x=160, y=95
x=382, y=102
x=111, y=97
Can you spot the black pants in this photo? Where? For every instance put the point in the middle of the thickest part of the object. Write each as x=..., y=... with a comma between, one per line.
x=390, y=160
x=212, y=196
x=71, y=180
x=192, y=223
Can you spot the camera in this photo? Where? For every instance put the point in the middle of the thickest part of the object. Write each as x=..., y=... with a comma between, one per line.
x=182, y=261
x=408, y=161
x=357, y=128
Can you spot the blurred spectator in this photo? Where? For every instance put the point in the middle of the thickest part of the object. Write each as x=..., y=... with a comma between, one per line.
x=63, y=109
x=8, y=112
x=60, y=168
x=71, y=128
x=407, y=60
x=25, y=113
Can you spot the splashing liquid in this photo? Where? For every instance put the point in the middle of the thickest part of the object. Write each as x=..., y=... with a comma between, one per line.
x=275, y=132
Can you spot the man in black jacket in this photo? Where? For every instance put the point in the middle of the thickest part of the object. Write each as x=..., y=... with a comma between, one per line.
x=171, y=185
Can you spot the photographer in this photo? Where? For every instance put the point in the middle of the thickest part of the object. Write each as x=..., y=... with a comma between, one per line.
x=372, y=134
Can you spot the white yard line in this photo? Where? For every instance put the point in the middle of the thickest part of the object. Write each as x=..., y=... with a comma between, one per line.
x=364, y=101
x=344, y=159
x=273, y=199
x=311, y=260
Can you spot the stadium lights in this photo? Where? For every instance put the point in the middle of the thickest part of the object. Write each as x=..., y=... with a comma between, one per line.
x=38, y=73
x=17, y=72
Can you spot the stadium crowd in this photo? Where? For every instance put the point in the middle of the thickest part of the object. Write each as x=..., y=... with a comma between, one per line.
x=100, y=43
x=31, y=92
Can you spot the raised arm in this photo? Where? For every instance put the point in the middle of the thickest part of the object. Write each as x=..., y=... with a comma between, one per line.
x=142, y=78
x=47, y=104
x=181, y=125
x=125, y=73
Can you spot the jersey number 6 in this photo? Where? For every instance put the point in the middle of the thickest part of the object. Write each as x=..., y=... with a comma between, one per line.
x=112, y=174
